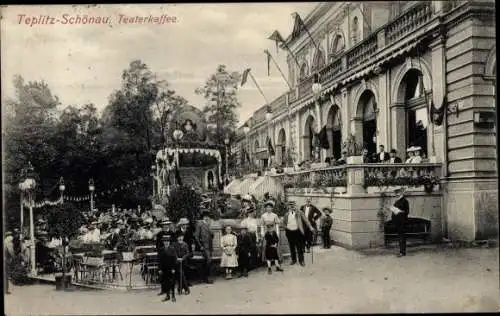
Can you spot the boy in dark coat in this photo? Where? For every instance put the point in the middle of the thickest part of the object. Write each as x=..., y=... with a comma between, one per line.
x=244, y=251
x=326, y=225
x=168, y=267
x=182, y=252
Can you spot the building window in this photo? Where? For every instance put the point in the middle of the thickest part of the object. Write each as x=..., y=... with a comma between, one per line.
x=304, y=71
x=338, y=45
x=355, y=30
x=318, y=61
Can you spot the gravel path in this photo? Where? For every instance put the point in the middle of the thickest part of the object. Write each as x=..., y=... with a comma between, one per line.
x=428, y=279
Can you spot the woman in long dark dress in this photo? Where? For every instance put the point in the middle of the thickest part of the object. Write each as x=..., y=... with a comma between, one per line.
x=271, y=241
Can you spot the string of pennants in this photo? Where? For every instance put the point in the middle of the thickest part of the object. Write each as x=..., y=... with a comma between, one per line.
x=85, y=198
x=44, y=203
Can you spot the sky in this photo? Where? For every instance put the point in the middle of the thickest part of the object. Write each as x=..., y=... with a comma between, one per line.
x=83, y=63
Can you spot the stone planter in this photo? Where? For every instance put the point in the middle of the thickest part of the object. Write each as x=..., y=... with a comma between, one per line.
x=354, y=160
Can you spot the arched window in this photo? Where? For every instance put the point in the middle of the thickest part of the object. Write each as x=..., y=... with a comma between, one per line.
x=338, y=44
x=304, y=71
x=355, y=30
x=318, y=61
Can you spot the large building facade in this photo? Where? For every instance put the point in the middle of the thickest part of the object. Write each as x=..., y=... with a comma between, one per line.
x=398, y=74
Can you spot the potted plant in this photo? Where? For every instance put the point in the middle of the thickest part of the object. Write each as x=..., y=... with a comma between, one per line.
x=65, y=220
x=354, y=150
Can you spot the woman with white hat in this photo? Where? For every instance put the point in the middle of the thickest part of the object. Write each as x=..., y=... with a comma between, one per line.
x=409, y=153
x=417, y=158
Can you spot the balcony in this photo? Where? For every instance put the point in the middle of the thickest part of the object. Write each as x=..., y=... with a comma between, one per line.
x=410, y=21
x=365, y=178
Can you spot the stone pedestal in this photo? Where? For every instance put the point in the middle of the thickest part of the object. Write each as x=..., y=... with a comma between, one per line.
x=355, y=176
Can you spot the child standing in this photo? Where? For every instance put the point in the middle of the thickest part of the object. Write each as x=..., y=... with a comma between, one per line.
x=271, y=241
x=229, y=260
x=326, y=225
x=244, y=250
x=182, y=251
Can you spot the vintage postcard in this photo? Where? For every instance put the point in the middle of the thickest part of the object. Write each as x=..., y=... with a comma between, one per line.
x=250, y=158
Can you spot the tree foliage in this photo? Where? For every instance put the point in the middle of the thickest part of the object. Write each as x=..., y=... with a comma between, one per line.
x=184, y=202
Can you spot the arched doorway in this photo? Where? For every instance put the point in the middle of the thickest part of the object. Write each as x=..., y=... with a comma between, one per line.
x=308, y=137
x=334, y=129
x=367, y=112
x=318, y=61
x=281, y=148
x=267, y=159
x=338, y=46
x=416, y=120
x=210, y=179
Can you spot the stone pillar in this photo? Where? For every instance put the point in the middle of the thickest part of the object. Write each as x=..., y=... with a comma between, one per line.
x=357, y=129
x=317, y=109
x=438, y=93
x=345, y=114
x=383, y=118
x=355, y=176
x=298, y=139
x=398, y=118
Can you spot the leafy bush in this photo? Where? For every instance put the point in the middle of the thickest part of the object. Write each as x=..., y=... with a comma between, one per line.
x=65, y=220
x=184, y=202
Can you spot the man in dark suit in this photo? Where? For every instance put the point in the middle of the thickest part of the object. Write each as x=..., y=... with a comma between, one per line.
x=294, y=222
x=312, y=214
x=393, y=158
x=168, y=267
x=185, y=227
x=382, y=156
x=244, y=251
x=400, y=210
x=343, y=159
x=204, y=239
x=165, y=230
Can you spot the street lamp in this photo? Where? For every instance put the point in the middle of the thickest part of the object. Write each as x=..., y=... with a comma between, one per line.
x=91, y=189
x=226, y=141
x=62, y=187
x=269, y=114
x=153, y=171
x=316, y=87
x=28, y=187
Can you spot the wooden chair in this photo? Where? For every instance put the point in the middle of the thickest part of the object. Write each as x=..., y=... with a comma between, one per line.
x=112, y=265
x=151, y=268
x=93, y=267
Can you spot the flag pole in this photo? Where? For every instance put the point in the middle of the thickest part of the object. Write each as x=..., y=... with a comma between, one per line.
x=279, y=69
x=303, y=25
x=258, y=87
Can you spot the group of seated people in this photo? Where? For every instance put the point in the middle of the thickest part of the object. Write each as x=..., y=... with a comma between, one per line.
x=414, y=154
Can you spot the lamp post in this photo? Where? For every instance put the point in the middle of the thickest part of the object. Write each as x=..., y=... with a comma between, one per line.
x=226, y=141
x=91, y=189
x=246, y=130
x=21, y=188
x=153, y=171
x=28, y=186
x=62, y=187
x=178, y=134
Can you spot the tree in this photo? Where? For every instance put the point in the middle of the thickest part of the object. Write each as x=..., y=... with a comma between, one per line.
x=184, y=202
x=29, y=125
x=221, y=94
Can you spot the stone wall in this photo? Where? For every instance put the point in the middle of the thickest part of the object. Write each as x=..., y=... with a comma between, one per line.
x=471, y=201
x=357, y=222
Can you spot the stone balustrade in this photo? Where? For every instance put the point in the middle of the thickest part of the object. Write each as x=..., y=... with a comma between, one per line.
x=362, y=51
x=410, y=21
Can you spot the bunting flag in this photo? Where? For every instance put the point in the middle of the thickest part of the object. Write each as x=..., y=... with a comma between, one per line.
x=278, y=39
x=44, y=203
x=437, y=115
x=300, y=26
x=323, y=139
x=270, y=147
x=247, y=156
x=245, y=76
x=268, y=54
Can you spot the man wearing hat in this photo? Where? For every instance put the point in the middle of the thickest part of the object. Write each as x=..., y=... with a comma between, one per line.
x=393, y=158
x=382, y=156
x=400, y=210
x=168, y=266
x=204, y=239
x=93, y=235
x=294, y=222
x=244, y=250
x=326, y=226
x=165, y=230
x=186, y=230
x=312, y=214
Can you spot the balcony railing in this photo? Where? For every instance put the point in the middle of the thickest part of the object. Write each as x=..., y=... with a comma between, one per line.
x=305, y=87
x=362, y=51
x=331, y=70
x=325, y=177
x=364, y=176
x=408, y=22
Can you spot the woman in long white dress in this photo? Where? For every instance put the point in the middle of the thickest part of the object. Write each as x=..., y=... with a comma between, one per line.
x=229, y=260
